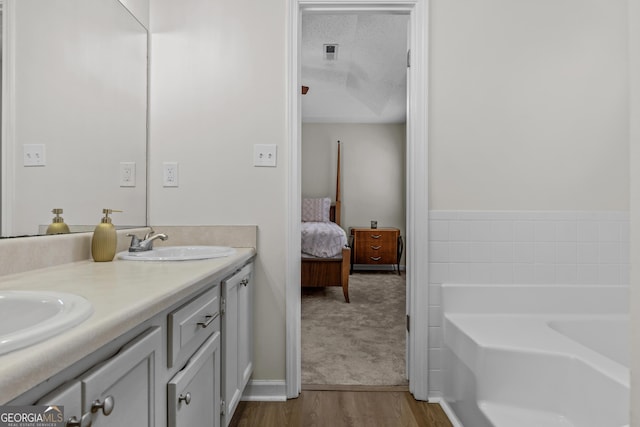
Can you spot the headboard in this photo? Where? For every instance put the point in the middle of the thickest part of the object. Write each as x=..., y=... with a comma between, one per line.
x=335, y=210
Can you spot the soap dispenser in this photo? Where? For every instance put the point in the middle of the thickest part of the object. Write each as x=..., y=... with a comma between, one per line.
x=57, y=226
x=105, y=239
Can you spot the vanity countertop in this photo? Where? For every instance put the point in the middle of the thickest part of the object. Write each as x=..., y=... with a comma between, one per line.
x=124, y=294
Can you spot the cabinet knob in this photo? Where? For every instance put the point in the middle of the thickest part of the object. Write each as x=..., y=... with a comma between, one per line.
x=376, y=236
x=376, y=258
x=186, y=398
x=106, y=406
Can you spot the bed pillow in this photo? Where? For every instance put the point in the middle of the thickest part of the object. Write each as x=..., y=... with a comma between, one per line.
x=316, y=210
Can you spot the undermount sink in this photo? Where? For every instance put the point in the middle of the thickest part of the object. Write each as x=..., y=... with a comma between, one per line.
x=29, y=317
x=178, y=253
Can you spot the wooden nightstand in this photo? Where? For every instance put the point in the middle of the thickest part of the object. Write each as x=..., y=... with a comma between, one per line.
x=376, y=246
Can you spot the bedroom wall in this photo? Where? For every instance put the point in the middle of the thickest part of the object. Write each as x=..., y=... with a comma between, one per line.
x=373, y=170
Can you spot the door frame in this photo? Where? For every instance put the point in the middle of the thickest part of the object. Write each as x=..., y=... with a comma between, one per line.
x=417, y=221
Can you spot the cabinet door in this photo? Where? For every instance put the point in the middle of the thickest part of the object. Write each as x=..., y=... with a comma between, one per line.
x=193, y=394
x=70, y=396
x=230, y=381
x=245, y=329
x=237, y=339
x=125, y=385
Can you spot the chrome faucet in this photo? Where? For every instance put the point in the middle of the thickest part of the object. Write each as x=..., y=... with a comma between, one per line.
x=146, y=244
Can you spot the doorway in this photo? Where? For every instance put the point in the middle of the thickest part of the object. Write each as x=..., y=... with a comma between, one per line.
x=416, y=195
x=355, y=68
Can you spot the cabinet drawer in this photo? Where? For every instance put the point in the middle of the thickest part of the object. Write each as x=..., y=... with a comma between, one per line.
x=190, y=325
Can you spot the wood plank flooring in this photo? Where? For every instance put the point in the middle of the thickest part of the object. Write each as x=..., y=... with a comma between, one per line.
x=342, y=408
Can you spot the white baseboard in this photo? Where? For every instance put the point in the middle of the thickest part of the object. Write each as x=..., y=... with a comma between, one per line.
x=265, y=391
x=447, y=410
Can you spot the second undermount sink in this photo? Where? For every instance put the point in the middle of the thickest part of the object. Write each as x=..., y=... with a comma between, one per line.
x=29, y=317
x=178, y=253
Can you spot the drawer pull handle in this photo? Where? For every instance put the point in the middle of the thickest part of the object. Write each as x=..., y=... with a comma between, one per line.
x=186, y=398
x=376, y=258
x=375, y=248
x=106, y=406
x=244, y=282
x=376, y=236
x=208, y=319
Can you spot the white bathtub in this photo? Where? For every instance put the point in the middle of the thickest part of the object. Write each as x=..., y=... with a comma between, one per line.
x=537, y=355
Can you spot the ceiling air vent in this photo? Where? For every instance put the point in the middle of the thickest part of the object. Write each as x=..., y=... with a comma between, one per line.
x=330, y=52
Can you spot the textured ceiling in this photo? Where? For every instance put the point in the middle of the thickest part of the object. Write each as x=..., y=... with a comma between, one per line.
x=367, y=82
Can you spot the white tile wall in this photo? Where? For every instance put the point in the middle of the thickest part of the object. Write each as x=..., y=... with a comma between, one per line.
x=520, y=247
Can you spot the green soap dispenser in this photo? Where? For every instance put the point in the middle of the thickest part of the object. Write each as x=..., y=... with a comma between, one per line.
x=57, y=226
x=105, y=239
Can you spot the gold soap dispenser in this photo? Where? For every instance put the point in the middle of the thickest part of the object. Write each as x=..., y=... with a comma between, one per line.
x=105, y=239
x=57, y=226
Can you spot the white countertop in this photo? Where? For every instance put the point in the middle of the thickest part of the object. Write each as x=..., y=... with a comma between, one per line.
x=123, y=294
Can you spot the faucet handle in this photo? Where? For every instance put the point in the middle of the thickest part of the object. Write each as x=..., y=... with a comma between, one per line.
x=149, y=234
x=135, y=240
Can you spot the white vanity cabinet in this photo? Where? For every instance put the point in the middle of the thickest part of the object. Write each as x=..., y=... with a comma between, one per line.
x=120, y=391
x=186, y=366
x=237, y=338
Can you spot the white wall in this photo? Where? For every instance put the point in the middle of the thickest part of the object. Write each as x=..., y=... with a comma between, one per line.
x=80, y=87
x=527, y=111
x=634, y=51
x=372, y=168
x=217, y=88
x=529, y=105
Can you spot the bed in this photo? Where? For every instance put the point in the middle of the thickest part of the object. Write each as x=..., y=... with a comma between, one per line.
x=326, y=256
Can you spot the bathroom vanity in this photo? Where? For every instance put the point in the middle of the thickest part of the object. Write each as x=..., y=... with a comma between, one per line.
x=169, y=343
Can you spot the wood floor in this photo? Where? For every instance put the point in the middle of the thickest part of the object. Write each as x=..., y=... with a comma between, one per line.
x=342, y=408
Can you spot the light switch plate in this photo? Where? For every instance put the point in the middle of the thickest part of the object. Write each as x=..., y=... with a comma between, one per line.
x=34, y=155
x=265, y=155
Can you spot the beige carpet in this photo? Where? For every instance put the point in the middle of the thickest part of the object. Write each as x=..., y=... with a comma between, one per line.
x=361, y=343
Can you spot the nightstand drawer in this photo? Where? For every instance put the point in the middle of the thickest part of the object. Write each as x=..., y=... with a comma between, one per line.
x=376, y=252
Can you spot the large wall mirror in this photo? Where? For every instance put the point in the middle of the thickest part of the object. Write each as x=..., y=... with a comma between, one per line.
x=74, y=114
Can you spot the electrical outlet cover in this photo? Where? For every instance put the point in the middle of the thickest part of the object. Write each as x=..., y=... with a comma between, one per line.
x=170, y=174
x=127, y=174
